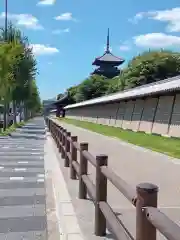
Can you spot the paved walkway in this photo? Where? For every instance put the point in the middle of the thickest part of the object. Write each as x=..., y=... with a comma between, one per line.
x=134, y=165
x=22, y=190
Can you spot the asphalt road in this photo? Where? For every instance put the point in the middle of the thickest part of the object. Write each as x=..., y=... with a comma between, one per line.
x=22, y=188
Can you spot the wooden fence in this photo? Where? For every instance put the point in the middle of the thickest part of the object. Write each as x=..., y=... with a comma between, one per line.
x=144, y=198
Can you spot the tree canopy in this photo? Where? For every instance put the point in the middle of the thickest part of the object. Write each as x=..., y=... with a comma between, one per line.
x=148, y=67
x=17, y=72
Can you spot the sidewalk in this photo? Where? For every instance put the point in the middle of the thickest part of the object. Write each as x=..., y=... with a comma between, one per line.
x=62, y=221
x=134, y=165
x=22, y=187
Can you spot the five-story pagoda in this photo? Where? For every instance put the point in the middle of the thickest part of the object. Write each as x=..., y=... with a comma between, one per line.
x=107, y=63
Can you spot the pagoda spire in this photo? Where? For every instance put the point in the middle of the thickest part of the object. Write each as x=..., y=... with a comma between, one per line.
x=107, y=46
x=107, y=64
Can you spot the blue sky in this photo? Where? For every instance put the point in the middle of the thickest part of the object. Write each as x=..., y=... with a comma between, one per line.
x=67, y=35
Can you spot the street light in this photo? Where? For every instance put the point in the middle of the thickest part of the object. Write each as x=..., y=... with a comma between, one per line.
x=6, y=13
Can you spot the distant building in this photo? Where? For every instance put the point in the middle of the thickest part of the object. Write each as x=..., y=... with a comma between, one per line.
x=108, y=63
x=48, y=105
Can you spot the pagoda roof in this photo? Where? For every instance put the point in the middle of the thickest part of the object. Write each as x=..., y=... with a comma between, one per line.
x=108, y=57
x=109, y=73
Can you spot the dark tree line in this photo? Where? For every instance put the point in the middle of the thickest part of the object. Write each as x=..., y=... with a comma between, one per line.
x=148, y=67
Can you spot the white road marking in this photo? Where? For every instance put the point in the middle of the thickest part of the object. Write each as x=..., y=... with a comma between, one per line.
x=5, y=147
x=176, y=162
x=40, y=175
x=37, y=153
x=169, y=207
x=132, y=207
x=21, y=162
x=1, y=167
x=16, y=178
x=20, y=169
x=40, y=180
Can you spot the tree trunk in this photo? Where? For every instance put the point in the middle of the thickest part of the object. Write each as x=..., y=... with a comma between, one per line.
x=14, y=112
x=5, y=116
x=25, y=113
x=21, y=111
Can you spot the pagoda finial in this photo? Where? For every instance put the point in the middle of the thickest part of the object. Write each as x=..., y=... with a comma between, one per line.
x=107, y=47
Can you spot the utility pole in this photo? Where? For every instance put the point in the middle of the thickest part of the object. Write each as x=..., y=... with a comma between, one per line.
x=5, y=38
x=6, y=13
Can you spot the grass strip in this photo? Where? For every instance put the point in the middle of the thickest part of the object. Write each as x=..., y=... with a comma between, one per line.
x=168, y=146
x=12, y=128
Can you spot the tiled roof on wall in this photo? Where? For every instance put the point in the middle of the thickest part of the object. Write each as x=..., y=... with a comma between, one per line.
x=170, y=84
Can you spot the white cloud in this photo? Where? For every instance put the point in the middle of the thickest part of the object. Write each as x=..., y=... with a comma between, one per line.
x=170, y=16
x=46, y=2
x=25, y=20
x=136, y=18
x=41, y=49
x=157, y=40
x=65, y=17
x=124, y=47
x=59, y=31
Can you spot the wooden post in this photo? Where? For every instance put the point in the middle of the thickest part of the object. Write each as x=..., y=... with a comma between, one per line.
x=146, y=196
x=67, y=149
x=63, y=143
x=101, y=195
x=55, y=133
x=50, y=126
x=60, y=138
x=73, y=157
x=83, y=170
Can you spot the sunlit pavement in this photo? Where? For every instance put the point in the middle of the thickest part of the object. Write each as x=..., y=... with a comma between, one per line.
x=22, y=187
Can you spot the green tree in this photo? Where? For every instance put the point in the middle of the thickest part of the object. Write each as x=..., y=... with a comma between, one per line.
x=148, y=67
x=94, y=86
x=33, y=102
x=152, y=66
x=116, y=84
x=23, y=70
x=9, y=58
x=72, y=94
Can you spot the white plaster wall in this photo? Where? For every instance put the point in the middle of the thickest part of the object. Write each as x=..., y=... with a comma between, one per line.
x=174, y=129
x=163, y=114
x=101, y=112
x=137, y=114
x=114, y=110
x=120, y=114
x=109, y=113
x=128, y=115
x=148, y=114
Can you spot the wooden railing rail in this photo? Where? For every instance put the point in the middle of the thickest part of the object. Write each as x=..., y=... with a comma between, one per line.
x=144, y=198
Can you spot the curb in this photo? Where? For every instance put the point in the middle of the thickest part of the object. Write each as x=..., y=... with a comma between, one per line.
x=69, y=228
